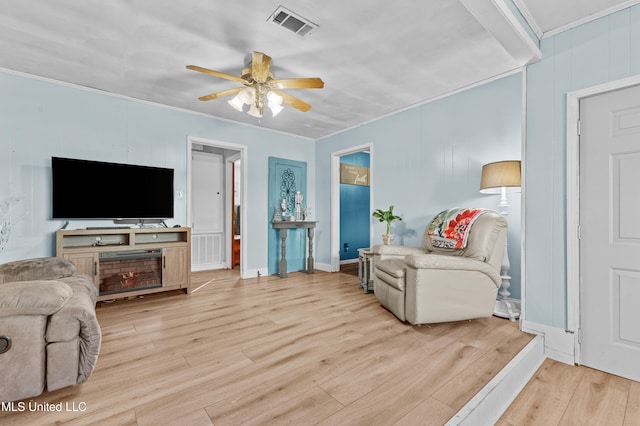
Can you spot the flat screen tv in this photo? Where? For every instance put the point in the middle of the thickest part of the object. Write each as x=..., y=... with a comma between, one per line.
x=84, y=189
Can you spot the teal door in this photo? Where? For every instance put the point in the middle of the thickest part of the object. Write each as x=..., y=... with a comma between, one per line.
x=285, y=178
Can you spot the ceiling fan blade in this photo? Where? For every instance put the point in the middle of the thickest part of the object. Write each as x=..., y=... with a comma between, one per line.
x=297, y=83
x=220, y=94
x=216, y=73
x=260, y=67
x=293, y=101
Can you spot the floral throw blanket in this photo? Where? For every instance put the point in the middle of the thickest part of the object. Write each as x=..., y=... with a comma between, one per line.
x=450, y=228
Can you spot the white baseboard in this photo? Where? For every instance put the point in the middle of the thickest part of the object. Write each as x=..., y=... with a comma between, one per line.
x=207, y=267
x=326, y=267
x=261, y=272
x=253, y=273
x=493, y=400
x=559, y=344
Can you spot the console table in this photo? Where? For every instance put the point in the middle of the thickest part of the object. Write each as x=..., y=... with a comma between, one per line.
x=283, y=226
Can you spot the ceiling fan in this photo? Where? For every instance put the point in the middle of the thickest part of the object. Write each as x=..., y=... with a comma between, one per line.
x=261, y=87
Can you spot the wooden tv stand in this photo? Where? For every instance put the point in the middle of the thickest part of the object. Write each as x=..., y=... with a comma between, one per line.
x=130, y=262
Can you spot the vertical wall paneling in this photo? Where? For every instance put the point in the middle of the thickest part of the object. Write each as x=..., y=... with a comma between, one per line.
x=592, y=54
x=429, y=158
x=41, y=119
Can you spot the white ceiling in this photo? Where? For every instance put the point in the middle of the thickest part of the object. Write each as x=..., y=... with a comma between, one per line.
x=376, y=57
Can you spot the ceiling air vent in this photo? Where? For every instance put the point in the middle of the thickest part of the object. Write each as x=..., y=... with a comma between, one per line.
x=292, y=21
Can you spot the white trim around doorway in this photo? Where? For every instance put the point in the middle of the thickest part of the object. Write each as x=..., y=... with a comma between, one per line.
x=191, y=140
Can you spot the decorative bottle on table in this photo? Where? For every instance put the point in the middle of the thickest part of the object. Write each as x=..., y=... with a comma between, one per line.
x=283, y=204
x=277, y=216
x=298, y=205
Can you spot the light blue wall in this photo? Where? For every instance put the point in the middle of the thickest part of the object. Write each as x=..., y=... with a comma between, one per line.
x=601, y=51
x=40, y=119
x=429, y=158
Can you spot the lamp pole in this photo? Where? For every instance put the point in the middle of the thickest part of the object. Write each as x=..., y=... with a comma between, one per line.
x=506, y=307
x=496, y=178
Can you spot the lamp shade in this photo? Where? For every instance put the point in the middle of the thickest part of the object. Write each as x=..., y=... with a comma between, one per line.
x=275, y=103
x=254, y=111
x=275, y=109
x=498, y=175
x=236, y=103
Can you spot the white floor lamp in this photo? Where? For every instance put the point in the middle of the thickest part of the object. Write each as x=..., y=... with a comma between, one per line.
x=499, y=178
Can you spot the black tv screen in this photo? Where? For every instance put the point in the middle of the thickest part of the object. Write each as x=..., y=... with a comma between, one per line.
x=84, y=189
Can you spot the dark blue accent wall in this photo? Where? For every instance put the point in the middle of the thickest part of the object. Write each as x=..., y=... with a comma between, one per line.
x=355, y=217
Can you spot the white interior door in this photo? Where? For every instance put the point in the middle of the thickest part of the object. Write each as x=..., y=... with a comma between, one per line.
x=207, y=218
x=610, y=232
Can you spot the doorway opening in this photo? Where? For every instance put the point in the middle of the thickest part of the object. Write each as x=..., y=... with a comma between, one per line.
x=236, y=208
x=351, y=201
x=216, y=204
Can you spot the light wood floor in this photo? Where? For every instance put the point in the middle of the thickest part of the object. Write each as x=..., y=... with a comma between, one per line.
x=561, y=394
x=310, y=349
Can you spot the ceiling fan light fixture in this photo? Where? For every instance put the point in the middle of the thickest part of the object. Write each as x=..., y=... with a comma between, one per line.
x=248, y=95
x=275, y=109
x=260, y=88
x=274, y=98
x=274, y=101
x=254, y=111
x=236, y=103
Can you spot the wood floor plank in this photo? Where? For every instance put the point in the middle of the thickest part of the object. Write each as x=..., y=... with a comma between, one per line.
x=192, y=418
x=632, y=414
x=374, y=372
x=599, y=399
x=124, y=418
x=304, y=340
x=255, y=385
x=545, y=398
x=330, y=360
x=458, y=391
x=194, y=395
x=486, y=334
x=429, y=412
x=306, y=408
x=275, y=400
x=397, y=396
x=561, y=394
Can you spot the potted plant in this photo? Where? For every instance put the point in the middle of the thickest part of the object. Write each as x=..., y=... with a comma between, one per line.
x=389, y=217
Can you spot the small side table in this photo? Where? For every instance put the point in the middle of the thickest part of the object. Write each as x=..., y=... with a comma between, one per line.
x=365, y=269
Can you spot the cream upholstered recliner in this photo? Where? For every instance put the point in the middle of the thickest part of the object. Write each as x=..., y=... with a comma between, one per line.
x=49, y=334
x=431, y=284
